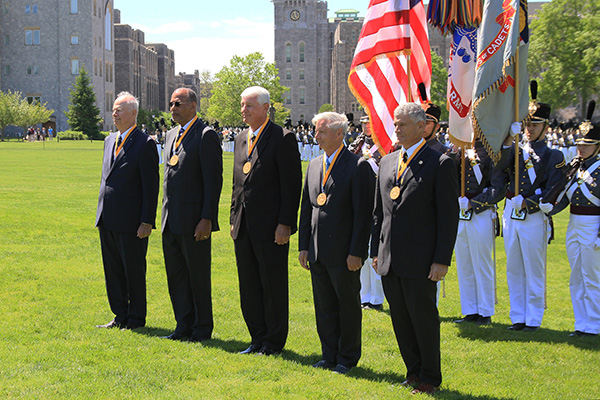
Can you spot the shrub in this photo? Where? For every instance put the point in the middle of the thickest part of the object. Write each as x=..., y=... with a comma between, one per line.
x=71, y=135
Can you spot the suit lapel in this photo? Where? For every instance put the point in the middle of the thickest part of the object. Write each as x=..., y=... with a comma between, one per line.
x=259, y=148
x=413, y=168
x=126, y=146
x=338, y=168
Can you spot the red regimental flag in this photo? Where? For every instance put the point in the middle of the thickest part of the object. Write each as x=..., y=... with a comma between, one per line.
x=394, y=32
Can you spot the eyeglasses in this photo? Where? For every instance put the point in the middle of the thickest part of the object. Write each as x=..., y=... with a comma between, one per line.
x=176, y=103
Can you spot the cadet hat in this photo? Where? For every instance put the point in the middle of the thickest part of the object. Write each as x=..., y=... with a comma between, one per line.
x=432, y=112
x=364, y=119
x=538, y=112
x=590, y=133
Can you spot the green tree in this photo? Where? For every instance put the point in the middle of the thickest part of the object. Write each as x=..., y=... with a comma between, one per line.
x=231, y=81
x=439, y=84
x=564, y=52
x=9, y=103
x=205, y=90
x=325, y=107
x=83, y=114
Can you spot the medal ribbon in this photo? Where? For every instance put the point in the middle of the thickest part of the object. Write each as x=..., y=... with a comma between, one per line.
x=327, y=171
x=118, y=149
x=183, y=135
x=255, y=141
x=403, y=165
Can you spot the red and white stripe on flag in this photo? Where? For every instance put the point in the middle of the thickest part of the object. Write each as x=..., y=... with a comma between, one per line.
x=394, y=31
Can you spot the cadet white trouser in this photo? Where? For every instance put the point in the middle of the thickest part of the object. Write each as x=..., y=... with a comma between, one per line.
x=371, y=290
x=525, y=243
x=585, y=271
x=475, y=264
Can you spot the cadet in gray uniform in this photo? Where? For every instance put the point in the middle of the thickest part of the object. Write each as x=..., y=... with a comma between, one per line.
x=475, y=239
x=525, y=228
x=583, y=232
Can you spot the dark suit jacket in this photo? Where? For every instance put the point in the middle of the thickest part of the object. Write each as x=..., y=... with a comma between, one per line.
x=419, y=228
x=129, y=187
x=270, y=194
x=342, y=226
x=192, y=187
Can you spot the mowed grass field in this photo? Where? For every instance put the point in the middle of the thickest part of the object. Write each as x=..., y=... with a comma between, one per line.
x=52, y=295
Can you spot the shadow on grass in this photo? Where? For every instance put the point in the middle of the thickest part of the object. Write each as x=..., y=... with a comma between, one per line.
x=498, y=333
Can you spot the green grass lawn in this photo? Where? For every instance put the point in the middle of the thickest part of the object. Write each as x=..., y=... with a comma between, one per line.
x=52, y=295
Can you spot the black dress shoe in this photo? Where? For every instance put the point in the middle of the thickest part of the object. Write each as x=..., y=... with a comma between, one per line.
x=111, y=324
x=324, y=364
x=468, y=318
x=424, y=388
x=412, y=381
x=341, y=369
x=254, y=348
x=516, y=327
x=175, y=336
x=267, y=351
x=484, y=321
x=198, y=339
x=528, y=328
x=576, y=334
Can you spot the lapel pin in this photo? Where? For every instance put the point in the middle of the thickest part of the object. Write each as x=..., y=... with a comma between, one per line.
x=420, y=162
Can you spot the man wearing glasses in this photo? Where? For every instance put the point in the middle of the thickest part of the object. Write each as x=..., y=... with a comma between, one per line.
x=192, y=187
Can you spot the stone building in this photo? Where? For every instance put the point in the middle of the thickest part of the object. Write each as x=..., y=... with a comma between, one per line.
x=44, y=45
x=166, y=73
x=136, y=66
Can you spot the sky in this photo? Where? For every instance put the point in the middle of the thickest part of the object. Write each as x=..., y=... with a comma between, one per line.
x=206, y=34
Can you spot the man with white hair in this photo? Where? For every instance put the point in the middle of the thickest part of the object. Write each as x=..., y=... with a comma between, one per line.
x=334, y=232
x=267, y=180
x=414, y=230
x=126, y=213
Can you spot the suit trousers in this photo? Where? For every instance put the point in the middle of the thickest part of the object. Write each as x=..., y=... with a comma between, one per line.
x=336, y=293
x=263, y=278
x=416, y=324
x=124, y=259
x=475, y=264
x=525, y=243
x=188, y=264
x=585, y=271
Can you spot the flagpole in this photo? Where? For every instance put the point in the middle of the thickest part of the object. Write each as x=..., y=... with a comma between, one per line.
x=463, y=165
x=409, y=98
x=517, y=178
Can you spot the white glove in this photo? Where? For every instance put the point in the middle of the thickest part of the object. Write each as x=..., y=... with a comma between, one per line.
x=515, y=128
x=546, y=207
x=463, y=203
x=517, y=203
x=597, y=243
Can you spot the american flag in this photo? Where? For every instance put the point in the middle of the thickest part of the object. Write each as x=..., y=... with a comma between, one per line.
x=394, y=32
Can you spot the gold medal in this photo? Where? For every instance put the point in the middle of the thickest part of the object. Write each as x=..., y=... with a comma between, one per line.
x=247, y=167
x=395, y=192
x=321, y=199
x=174, y=160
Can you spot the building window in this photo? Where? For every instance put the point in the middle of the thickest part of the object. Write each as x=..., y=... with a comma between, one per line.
x=96, y=66
x=34, y=8
x=74, y=7
x=74, y=66
x=436, y=49
x=6, y=39
x=32, y=36
x=288, y=98
x=94, y=8
x=5, y=8
x=301, y=96
x=301, y=74
x=34, y=99
x=111, y=72
x=108, y=23
x=301, y=52
x=33, y=70
x=288, y=52
x=288, y=74
x=74, y=39
x=7, y=70
x=27, y=9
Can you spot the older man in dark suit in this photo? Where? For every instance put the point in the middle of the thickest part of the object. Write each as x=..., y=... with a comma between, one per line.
x=267, y=180
x=414, y=230
x=334, y=232
x=126, y=213
x=192, y=188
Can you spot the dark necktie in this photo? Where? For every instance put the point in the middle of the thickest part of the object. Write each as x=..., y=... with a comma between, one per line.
x=119, y=141
x=327, y=164
x=181, y=130
x=405, y=157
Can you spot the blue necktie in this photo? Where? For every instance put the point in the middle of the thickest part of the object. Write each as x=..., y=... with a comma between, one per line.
x=181, y=130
